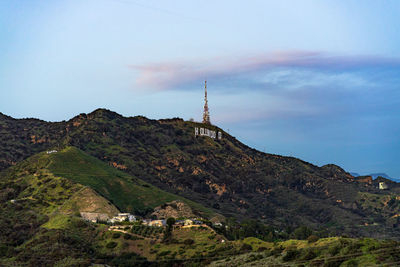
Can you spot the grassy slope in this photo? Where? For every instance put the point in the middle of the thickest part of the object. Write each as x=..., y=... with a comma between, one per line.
x=334, y=251
x=39, y=190
x=126, y=192
x=34, y=229
x=206, y=243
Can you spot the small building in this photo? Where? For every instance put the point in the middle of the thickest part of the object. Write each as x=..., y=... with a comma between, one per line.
x=154, y=223
x=122, y=217
x=188, y=222
x=157, y=223
x=383, y=186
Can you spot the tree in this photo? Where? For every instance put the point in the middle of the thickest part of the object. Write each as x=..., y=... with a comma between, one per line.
x=170, y=222
x=168, y=230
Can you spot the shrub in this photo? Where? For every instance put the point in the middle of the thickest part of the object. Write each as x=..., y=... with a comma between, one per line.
x=163, y=253
x=309, y=254
x=333, y=263
x=312, y=239
x=111, y=244
x=116, y=235
x=170, y=221
x=127, y=236
x=277, y=251
x=290, y=254
x=188, y=242
x=246, y=247
x=301, y=232
x=334, y=250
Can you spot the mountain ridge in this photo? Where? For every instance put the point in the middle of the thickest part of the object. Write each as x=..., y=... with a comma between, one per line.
x=225, y=175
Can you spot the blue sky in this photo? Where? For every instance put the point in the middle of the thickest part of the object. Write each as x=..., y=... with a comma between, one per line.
x=318, y=80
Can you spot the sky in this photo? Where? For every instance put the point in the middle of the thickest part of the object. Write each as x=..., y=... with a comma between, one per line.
x=316, y=80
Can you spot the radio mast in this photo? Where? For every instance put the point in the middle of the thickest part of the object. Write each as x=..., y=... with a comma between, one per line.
x=206, y=114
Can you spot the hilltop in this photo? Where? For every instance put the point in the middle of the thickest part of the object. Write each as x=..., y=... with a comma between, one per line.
x=223, y=175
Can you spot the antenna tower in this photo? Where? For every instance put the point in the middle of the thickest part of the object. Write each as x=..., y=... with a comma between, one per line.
x=206, y=114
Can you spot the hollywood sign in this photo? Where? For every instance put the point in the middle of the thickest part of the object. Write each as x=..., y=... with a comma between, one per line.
x=207, y=132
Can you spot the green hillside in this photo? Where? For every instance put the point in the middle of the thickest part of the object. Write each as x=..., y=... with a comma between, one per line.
x=223, y=175
x=268, y=197
x=40, y=201
x=123, y=190
x=335, y=251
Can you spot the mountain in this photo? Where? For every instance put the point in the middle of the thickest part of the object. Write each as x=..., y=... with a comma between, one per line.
x=384, y=175
x=222, y=175
x=376, y=175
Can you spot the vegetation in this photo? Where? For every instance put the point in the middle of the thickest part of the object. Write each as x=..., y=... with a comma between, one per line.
x=279, y=209
x=335, y=251
x=223, y=175
x=124, y=191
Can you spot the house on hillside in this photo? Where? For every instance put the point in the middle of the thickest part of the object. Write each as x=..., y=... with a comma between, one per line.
x=383, y=186
x=154, y=223
x=188, y=222
x=123, y=217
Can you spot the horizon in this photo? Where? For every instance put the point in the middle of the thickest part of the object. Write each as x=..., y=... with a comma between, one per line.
x=312, y=80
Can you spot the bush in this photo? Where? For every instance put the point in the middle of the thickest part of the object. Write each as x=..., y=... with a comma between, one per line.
x=301, y=233
x=309, y=255
x=246, y=247
x=351, y=263
x=170, y=221
x=163, y=253
x=111, y=244
x=277, y=251
x=334, y=250
x=127, y=236
x=188, y=242
x=290, y=254
x=312, y=239
x=116, y=235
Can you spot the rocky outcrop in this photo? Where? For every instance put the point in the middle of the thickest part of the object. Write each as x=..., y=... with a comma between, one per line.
x=175, y=209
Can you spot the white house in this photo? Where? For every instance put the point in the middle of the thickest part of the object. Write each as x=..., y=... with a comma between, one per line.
x=383, y=186
x=155, y=223
x=188, y=222
x=121, y=217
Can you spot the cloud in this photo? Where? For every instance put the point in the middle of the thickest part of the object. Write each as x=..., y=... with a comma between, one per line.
x=175, y=75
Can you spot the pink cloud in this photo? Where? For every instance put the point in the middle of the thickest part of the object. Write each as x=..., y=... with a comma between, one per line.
x=168, y=75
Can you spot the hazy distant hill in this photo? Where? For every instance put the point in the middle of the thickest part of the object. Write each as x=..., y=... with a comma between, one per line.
x=223, y=175
x=376, y=175
x=384, y=175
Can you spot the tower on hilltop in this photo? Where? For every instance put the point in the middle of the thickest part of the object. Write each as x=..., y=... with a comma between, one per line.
x=206, y=114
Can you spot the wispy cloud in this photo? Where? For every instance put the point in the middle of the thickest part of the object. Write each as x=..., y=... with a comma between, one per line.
x=174, y=75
